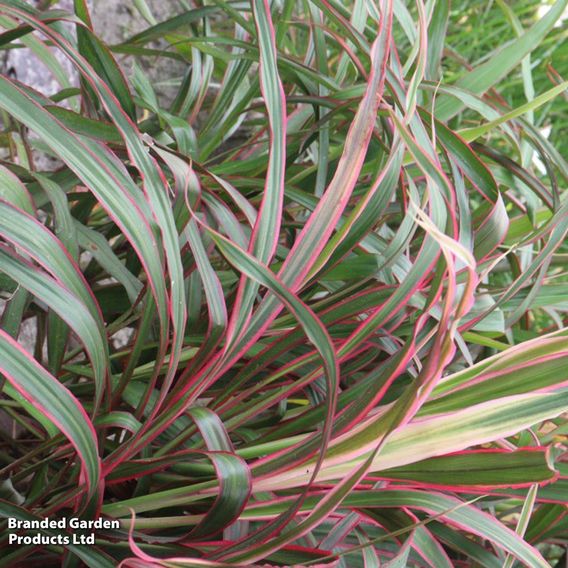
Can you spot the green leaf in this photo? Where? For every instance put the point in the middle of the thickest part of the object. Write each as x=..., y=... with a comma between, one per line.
x=55, y=402
x=484, y=468
x=484, y=76
x=68, y=307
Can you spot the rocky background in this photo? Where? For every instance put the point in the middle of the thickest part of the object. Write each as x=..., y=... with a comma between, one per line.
x=113, y=21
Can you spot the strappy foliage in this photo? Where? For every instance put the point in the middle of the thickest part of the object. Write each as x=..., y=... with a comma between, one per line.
x=311, y=310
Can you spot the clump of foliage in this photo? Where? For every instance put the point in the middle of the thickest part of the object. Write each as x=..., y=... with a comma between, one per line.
x=336, y=265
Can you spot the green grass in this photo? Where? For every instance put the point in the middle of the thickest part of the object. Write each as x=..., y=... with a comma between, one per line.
x=310, y=310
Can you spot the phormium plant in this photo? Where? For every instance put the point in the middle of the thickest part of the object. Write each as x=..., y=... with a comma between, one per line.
x=309, y=312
